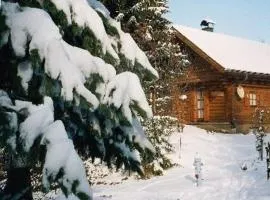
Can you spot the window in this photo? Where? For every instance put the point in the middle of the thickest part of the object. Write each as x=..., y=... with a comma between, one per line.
x=252, y=99
x=200, y=105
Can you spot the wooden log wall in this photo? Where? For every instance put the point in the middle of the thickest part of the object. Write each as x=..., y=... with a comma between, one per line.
x=242, y=111
x=217, y=106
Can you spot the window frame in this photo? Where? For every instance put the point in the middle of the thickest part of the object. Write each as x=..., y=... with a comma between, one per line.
x=252, y=99
x=200, y=105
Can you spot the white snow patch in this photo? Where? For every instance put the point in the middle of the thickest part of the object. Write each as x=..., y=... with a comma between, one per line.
x=5, y=101
x=25, y=72
x=35, y=123
x=222, y=176
x=62, y=155
x=70, y=197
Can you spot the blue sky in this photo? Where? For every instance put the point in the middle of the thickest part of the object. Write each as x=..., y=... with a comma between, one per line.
x=243, y=18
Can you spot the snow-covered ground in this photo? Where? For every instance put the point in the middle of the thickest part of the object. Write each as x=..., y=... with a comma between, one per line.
x=223, y=178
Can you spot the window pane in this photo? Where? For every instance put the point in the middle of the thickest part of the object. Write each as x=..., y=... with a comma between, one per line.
x=199, y=95
x=202, y=104
x=200, y=114
x=252, y=99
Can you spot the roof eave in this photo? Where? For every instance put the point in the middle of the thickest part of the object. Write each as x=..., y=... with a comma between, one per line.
x=213, y=63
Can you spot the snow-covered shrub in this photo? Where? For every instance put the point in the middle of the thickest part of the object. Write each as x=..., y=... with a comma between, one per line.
x=260, y=121
x=98, y=173
x=158, y=129
x=65, y=84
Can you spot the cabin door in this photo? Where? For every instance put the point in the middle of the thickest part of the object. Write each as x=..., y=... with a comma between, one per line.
x=200, y=106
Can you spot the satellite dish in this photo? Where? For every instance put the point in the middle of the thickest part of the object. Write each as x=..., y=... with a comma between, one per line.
x=240, y=92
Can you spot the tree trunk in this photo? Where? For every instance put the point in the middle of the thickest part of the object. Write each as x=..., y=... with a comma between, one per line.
x=18, y=185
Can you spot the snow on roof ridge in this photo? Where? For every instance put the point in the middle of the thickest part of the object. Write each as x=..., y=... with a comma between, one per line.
x=223, y=34
x=229, y=51
x=208, y=19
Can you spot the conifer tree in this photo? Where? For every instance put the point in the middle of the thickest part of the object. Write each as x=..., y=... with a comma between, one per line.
x=69, y=79
x=145, y=20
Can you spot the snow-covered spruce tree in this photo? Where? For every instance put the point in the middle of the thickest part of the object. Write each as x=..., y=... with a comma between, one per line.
x=64, y=80
x=145, y=20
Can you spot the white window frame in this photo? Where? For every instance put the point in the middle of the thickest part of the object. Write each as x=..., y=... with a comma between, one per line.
x=252, y=99
x=200, y=105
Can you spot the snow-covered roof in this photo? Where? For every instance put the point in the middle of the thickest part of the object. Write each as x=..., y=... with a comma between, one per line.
x=230, y=52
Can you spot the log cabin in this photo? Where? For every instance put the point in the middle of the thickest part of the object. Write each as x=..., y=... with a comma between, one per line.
x=227, y=81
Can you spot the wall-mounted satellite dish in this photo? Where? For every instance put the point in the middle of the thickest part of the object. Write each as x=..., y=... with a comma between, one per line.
x=240, y=92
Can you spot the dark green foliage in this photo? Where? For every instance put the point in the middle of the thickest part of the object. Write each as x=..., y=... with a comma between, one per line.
x=35, y=83
x=8, y=70
x=5, y=129
x=3, y=26
x=116, y=156
x=143, y=72
x=35, y=59
x=158, y=130
x=116, y=7
x=108, y=58
x=82, y=196
x=50, y=87
x=58, y=16
x=92, y=83
x=83, y=38
x=135, y=107
x=91, y=43
x=124, y=64
x=72, y=34
x=113, y=114
x=111, y=30
x=75, y=35
x=29, y=3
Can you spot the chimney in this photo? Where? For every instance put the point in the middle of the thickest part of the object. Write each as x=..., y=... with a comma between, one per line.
x=207, y=25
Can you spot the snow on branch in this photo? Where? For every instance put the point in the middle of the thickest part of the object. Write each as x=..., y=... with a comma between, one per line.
x=39, y=118
x=125, y=90
x=71, y=65
x=137, y=135
x=81, y=13
x=129, y=48
x=99, y=7
x=61, y=157
x=62, y=163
